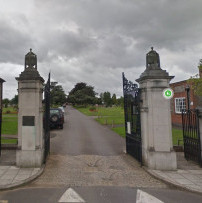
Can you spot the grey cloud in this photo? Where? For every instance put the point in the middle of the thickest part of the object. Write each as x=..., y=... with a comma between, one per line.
x=111, y=36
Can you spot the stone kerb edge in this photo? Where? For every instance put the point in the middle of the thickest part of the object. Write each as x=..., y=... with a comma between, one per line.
x=170, y=182
x=23, y=182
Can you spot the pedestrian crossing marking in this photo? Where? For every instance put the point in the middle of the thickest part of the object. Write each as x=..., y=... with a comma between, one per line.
x=71, y=196
x=143, y=197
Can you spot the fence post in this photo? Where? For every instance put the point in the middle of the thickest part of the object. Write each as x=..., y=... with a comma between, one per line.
x=112, y=123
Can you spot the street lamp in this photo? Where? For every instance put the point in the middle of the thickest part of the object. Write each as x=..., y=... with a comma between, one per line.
x=187, y=88
x=1, y=93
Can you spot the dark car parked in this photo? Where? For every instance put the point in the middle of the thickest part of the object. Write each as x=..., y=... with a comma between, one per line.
x=56, y=118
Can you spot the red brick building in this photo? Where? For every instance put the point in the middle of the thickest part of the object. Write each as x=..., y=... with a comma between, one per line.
x=179, y=101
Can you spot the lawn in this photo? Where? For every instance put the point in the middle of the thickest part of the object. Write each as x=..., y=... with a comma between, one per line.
x=9, y=124
x=105, y=115
x=115, y=115
x=9, y=109
x=9, y=141
x=176, y=134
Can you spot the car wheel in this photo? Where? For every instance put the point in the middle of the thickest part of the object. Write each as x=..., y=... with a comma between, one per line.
x=54, y=118
x=61, y=126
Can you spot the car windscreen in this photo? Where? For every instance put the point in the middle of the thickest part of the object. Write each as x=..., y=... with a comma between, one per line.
x=54, y=111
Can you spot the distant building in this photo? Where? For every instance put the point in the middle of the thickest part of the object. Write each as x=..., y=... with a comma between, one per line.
x=179, y=100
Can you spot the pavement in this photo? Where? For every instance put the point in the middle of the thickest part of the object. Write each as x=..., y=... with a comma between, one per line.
x=12, y=176
x=188, y=176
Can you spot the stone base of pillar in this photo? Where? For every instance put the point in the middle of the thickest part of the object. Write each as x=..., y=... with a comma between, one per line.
x=29, y=159
x=160, y=160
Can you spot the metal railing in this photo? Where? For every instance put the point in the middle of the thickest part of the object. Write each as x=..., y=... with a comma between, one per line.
x=191, y=135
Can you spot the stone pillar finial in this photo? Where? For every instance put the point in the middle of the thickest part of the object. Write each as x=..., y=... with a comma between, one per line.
x=30, y=60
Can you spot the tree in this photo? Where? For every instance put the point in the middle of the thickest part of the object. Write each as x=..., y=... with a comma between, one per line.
x=114, y=99
x=196, y=82
x=5, y=102
x=120, y=101
x=107, y=99
x=14, y=100
x=57, y=95
x=82, y=94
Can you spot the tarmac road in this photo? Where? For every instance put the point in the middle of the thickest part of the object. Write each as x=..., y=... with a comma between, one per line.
x=83, y=135
x=88, y=164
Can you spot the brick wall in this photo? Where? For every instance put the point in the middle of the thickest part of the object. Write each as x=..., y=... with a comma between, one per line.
x=179, y=91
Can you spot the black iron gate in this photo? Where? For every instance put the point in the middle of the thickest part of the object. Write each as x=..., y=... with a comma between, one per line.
x=131, y=94
x=47, y=119
x=191, y=135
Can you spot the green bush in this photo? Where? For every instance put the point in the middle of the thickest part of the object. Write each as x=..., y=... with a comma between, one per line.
x=92, y=108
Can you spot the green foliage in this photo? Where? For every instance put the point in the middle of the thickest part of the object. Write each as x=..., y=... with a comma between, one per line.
x=120, y=131
x=196, y=85
x=92, y=108
x=120, y=102
x=107, y=99
x=5, y=102
x=9, y=124
x=82, y=94
x=9, y=109
x=110, y=120
x=177, y=135
x=9, y=141
x=114, y=101
x=57, y=95
x=14, y=100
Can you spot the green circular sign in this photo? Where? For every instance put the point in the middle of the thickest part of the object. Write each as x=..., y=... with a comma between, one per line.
x=168, y=93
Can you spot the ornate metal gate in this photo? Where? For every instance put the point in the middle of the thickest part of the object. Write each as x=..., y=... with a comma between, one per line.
x=191, y=135
x=131, y=94
x=47, y=119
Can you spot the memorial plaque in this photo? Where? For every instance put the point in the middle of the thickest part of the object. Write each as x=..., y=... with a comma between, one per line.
x=28, y=120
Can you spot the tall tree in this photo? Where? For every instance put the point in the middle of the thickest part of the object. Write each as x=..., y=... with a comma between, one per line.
x=14, y=100
x=82, y=94
x=57, y=95
x=196, y=83
x=5, y=102
x=107, y=99
x=114, y=99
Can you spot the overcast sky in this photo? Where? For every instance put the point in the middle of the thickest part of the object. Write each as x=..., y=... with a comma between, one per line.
x=94, y=41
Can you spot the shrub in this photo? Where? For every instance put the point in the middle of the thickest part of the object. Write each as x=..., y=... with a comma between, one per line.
x=92, y=108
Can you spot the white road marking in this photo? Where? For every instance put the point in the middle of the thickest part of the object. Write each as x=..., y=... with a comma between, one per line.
x=143, y=197
x=3, y=201
x=71, y=196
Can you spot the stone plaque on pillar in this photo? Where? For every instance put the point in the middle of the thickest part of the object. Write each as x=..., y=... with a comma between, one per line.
x=157, y=146
x=30, y=151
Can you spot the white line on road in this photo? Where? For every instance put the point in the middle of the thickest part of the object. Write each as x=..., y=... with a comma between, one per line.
x=71, y=196
x=143, y=197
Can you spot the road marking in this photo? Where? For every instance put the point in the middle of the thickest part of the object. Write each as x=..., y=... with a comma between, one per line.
x=3, y=201
x=143, y=197
x=71, y=196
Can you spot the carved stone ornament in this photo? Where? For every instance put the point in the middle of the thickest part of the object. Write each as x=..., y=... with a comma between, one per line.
x=30, y=60
x=153, y=60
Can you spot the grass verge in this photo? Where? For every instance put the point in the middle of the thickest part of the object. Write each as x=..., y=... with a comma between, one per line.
x=9, y=141
x=115, y=115
x=9, y=124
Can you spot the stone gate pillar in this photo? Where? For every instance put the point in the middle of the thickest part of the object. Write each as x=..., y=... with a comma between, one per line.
x=157, y=146
x=30, y=151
